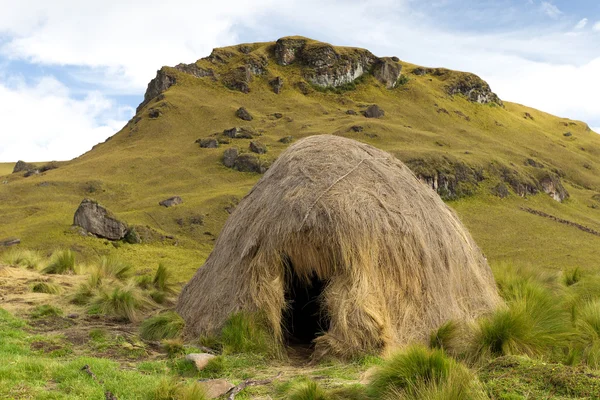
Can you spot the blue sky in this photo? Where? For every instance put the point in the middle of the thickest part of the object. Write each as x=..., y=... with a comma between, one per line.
x=72, y=72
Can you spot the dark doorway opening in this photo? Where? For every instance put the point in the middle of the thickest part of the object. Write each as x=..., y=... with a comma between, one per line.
x=304, y=319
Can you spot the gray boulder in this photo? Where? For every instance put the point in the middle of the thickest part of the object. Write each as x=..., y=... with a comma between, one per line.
x=215, y=388
x=171, y=201
x=230, y=156
x=158, y=85
x=242, y=113
x=200, y=360
x=21, y=166
x=276, y=84
x=258, y=147
x=374, y=111
x=249, y=162
x=208, y=143
x=99, y=221
x=286, y=139
x=387, y=71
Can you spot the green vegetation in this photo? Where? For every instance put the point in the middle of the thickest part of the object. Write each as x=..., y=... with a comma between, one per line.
x=62, y=262
x=46, y=287
x=167, y=325
x=245, y=333
x=126, y=302
x=46, y=310
x=22, y=257
x=112, y=267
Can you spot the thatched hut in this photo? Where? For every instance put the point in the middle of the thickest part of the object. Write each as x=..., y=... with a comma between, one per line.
x=341, y=245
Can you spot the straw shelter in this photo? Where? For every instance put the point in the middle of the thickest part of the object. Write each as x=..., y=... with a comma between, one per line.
x=340, y=245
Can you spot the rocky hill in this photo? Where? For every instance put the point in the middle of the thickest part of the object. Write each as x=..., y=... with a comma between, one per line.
x=526, y=183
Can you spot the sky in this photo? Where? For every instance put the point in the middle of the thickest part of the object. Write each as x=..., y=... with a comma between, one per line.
x=72, y=72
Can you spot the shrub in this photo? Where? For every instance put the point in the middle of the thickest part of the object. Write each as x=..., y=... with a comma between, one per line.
x=46, y=310
x=62, y=262
x=247, y=333
x=23, y=258
x=420, y=373
x=167, y=325
x=46, y=287
x=124, y=302
x=402, y=80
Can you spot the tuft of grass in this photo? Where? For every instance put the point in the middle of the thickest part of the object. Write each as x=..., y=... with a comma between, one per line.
x=62, y=262
x=587, y=327
x=571, y=277
x=446, y=337
x=23, y=258
x=309, y=391
x=167, y=325
x=45, y=310
x=171, y=389
x=421, y=373
x=113, y=267
x=173, y=347
x=247, y=333
x=46, y=287
x=124, y=302
x=163, y=280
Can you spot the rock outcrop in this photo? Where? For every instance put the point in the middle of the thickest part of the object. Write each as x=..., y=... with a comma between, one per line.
x=257, y=147
x=374, y=111
x=552, y=186
x=243, y=114
x=99, y=221
x=473, y=88
x=194, y=70
x=22, y=166
x=326, y=66
x=387, y=71
x=208, y=143
x=158, y=85
x=276, y=84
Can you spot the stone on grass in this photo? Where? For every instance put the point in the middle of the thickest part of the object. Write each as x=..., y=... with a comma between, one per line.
x=215, y=388
x=99, y=221
x=171, y=201
x=200, y=360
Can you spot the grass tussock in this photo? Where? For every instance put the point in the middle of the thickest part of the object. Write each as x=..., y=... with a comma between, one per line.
x=111, y=267
x=571, y=277
x=46, y=310
x=309, y=391
x=173, y=347
x=421, y=373
x=62, y=262
x=171, y=389
x=447, y=337
x=167, y=325
x=23, y=258
x=126, y=302
x=248, y=333
x=46, y=287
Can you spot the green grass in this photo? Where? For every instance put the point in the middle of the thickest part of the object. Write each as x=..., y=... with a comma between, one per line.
x=245, y=333
x=112, y=267
x=125, y=302
x=167, y=325
x=6, y=168
x=309, y=391
x=22, y=257
x=46, y=287
x=62, y=262
x=46, y=310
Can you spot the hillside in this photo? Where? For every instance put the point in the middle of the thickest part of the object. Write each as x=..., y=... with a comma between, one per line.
x=524, y=182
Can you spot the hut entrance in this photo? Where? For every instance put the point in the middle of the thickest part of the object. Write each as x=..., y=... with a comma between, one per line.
x=304, y=320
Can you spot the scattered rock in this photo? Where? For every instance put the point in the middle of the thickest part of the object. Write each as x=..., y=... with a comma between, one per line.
x=238, y=79
x=171, y=201
x=532, y=163
x=154, y=113
x=200, y=360
x=99, y=221
x=215, y=388
x=553, y=186
x=21, y=166
x=239, y=133
x=9, y=242
x=351, y=112
x=208, y=143
x=356, y=128
x=528, y=116
x=387, y=71
x=194, y=70
x=242, y=113
x=258, y=147
x=244, y=48
x=303, y=87
x=567, y=134
x=73, y=316
x=229, y=157
x=286, y=139
x=374, y=111
x=158, y=85
x=277, y=115
x=231, y=132
x=371, y=135
x=276, y=84
x=249, y=162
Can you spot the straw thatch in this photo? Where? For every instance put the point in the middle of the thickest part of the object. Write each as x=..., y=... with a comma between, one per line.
x=396, y=261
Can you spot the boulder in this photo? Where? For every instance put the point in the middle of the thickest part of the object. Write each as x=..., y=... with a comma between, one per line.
x=249, y=162
x=276, y=84
x=230, y=156
x=215, y=388
x=374, y=111
x=473, y=88
x=242, y=113
x=154, y=113
x=208, y=143
x=239, y=133
x=387, y=71
x=21, y=166
x=356, y=128
x=171, y=201
x=238, y=79
x=258, y=147
x=9, y=242
x=351, y=112
x=200, y=360
x=99, y=221
x=286, y=139
x=552, y=186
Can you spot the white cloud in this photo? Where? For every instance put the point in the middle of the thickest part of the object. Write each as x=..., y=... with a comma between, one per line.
x=550, y=9
x=596, y=27
x=581, y=24
x=43, y=122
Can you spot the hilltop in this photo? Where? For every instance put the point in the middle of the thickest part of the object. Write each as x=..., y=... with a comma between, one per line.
x=525, y=183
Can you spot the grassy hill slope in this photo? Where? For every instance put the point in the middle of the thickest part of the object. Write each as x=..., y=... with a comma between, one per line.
x=474, y=149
